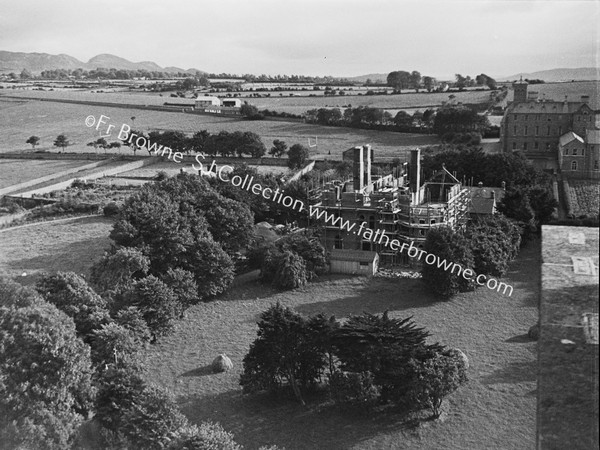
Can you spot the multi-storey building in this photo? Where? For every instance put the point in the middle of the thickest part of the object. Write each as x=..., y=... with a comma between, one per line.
x=395, y=206
x=535, y=126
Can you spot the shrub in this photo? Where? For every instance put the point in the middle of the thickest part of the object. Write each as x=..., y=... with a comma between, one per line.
x=291, y=271
x=113, y=344
x=206, y=436
x=111, y=209
x=435, y=378
x=132, y=319
x=353, y=389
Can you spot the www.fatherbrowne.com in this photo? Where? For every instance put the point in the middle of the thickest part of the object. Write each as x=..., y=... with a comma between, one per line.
x=275, y=195
x=378, y=236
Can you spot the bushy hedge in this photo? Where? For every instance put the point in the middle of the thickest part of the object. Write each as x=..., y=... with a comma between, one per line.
x=366, y=361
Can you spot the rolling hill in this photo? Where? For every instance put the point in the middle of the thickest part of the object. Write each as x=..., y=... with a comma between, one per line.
x=37, y=62
x=578, y=74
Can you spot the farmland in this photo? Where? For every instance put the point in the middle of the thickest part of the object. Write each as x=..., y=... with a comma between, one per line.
x=585, y=198
x=13, y=171
x=48, y=119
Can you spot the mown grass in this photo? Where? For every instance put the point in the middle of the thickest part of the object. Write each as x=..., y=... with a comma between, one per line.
x=71, y=245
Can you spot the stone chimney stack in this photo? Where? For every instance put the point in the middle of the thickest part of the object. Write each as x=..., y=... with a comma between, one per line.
x=414, y=176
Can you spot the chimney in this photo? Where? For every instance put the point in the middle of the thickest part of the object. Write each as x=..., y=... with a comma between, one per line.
x=358, y=169
x=368, y=154
x=414, y=176
x=493, y=195
x=585, y=99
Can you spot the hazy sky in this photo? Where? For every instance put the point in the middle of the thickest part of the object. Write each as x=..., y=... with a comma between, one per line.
x=314, y=37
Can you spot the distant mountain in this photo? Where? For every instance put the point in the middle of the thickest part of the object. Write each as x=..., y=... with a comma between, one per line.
x=37, y=62
x=375, y=78
x=579, y=74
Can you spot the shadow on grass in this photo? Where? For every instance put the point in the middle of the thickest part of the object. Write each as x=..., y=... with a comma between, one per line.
x=516, y=372
x=520, y=339
x=262, y=420
x=388, y=295
x=524, y=273
x=199, y=372
x=76, y=256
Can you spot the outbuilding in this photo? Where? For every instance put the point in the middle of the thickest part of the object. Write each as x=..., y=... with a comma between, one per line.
x=203, y=102
x=354, y=262
x=232, y=102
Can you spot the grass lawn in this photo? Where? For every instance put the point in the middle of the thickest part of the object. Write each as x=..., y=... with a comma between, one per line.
x=496, y=409
x=71, y=245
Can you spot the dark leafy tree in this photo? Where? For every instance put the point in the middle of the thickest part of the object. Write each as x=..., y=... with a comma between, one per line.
x=495, y=242
x=204, y=437
x=33, y=141
x=71, y=294
x=61, y=141
x=113, y=344
x=435, y=378
x=119, y=267
x=99, y=143
x=46, y=390
x=382, y=346
x=403, y=119
x=459, y=119
x=279, y=148
x=290, y=270
x=451, y=247
x=399, y=79
x=132, y=319
x=155, y=300
x=184, y=285
x=283, y=353
x=212, y=267
x=531, y=205
x=297, y=156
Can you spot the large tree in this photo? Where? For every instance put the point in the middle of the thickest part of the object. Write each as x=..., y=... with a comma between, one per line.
x=45, y=387
x=33, y=141
x=61, y=141
x=297, y=156
x=399, y=79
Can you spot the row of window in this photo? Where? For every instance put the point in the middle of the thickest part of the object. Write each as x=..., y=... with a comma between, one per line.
x=585, y=116
x=536, y=146
x=537, y=131
x=575, y=152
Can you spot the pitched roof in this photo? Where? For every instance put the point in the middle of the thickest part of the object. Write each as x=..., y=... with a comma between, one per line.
x=545, y=107
x=569, y=137
x=352, y=255
x=592, y=137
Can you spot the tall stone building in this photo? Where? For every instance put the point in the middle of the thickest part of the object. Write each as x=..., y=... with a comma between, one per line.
x=539, y=127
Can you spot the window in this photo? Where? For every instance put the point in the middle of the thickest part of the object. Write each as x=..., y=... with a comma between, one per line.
x=596, y=166
x=573, y=165
x=566, y=151
x=514, y=145
x=515, y=130
x=536, y=145
x=338, y=241
x=537, y=131
x=526, y=116
x=547, y=146
x=526, y=128
x=574, y=152
x=582, y=151
x=432, y=222
x=537, y=117
x=516, y=117
x=578, y=118
x=559, y=131
x=548, y=131
x=524, y=145
x=422, y=221
x=363, y=264
x=421, y=232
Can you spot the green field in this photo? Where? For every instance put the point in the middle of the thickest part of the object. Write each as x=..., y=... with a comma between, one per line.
x=13, y=171
x=49, y=119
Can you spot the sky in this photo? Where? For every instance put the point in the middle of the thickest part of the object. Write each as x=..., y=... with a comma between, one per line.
x=314, y=37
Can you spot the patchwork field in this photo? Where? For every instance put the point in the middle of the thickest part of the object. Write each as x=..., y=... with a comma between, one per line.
x=13, y=171
x=49, y=119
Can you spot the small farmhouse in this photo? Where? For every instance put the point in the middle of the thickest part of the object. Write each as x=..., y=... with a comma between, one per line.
x=203, y=102
x=232, y=102
x=354, y=262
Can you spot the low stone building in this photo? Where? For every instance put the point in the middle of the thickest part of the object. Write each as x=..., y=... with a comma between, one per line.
x=353, y=262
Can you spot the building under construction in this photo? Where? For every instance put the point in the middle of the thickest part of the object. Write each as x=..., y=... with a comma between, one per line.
x=396, y=204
